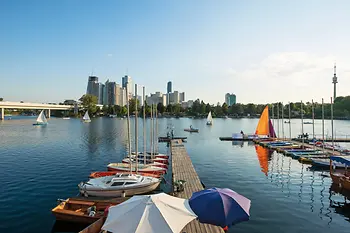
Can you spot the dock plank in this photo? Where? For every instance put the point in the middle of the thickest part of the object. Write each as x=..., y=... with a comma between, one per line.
x=183, y=169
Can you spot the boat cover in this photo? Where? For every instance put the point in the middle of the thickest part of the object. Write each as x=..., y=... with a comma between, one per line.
x=341, y=159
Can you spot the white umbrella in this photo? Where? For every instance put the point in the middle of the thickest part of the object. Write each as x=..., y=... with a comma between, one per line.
x=149, y=213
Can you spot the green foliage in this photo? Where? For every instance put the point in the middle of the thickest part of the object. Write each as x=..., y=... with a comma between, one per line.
x=89, y=103
x=1, y=99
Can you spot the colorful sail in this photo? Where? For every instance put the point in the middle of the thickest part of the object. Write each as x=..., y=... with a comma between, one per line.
x=272, y=133
x=263, y=125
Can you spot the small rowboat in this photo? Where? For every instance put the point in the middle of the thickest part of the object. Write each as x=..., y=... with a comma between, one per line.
x=192, y=130
x=112, y=173
x=76, y=209
x=149, y=155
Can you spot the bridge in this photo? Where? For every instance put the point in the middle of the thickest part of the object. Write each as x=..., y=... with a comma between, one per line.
x=23, y=105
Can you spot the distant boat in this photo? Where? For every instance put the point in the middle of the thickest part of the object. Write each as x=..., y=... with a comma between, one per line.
x=41, y=120
x=112, y=116
x=209, y=119
x=192, y=130
x=287, y=122
x=66, y=118
x=307, y=123
x=86, y=117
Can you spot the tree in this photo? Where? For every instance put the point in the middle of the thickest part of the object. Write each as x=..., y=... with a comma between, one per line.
x=160, y=108
x=89, y=103
x=1, y=99
x=123, y=111
x=224, y=108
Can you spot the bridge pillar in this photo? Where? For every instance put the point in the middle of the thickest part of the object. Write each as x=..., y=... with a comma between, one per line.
x=2, y=116
x=48, y=113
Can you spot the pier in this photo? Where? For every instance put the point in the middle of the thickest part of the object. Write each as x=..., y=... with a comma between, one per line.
x=287, y=139
x=182, y=169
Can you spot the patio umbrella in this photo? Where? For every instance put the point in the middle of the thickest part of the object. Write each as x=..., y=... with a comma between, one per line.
x=149, y=213
x=220, y=207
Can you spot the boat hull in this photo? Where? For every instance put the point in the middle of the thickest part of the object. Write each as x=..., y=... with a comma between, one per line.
x=40, y=124
x=112, y=173
x=192, y=130
x=125, y=170
x=151, y=163
x=74, y=210
x=86, y=121
x=118, y=192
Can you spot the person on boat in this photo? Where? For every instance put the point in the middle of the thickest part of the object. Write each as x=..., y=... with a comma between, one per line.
x=191, y=127
x=242, y=132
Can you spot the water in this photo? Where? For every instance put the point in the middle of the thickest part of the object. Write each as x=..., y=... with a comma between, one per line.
x=40, y=164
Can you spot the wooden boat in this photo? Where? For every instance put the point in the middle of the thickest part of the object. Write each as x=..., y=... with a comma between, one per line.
x=76, y=209
x=112, y=173
x=149, y=155
x=342, y=179
x=94, y=227
x=192, y=130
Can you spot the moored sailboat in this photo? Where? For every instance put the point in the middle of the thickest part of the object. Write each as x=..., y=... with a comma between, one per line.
x=209, y=119
x=86, y=117
x=41, y=120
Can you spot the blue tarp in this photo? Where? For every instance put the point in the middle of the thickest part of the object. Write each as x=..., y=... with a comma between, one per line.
x=341, y=159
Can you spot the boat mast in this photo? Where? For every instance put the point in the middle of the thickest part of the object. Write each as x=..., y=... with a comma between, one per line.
x=323, y=125
x=273, y=116
x=282, y=121
x=290, y=127
x=128, y=124
x=151, y=135
x=332, y=124
x=154, y=133
x=313, y=119
x=278, y=120
x=144, y=126
x=156, y=138
x=136, y=130
x=302, y=122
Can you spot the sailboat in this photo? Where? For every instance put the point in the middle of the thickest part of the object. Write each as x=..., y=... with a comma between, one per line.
x=86, y=117
x=128, y=165
x=265, y=127
x=125, y=183
x=209, y=119
x=41, y=120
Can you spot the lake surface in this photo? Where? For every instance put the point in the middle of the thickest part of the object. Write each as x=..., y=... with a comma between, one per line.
x=41, y=164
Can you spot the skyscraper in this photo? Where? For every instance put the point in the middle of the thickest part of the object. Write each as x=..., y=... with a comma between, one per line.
x=100, y=93
x=93, y=87
x=169, y=87
x=230, y=99
x=126, y=80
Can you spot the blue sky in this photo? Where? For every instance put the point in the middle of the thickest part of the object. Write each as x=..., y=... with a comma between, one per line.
x=263, y=51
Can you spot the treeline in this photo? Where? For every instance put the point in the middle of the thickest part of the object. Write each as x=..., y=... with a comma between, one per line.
x=341, y=109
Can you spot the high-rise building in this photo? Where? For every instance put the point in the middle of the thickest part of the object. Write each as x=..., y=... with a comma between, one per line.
x=111, y=93
x=93, y=86
x=105, y=92
x=100, y=93
x=122, y=96
x=230, y=99
x=182, y=97
x=126, y=80
x=169, y=87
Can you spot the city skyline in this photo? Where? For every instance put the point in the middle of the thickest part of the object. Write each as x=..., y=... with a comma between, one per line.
x=261, y=52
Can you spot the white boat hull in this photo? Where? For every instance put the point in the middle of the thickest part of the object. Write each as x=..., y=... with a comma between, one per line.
x=118, y=192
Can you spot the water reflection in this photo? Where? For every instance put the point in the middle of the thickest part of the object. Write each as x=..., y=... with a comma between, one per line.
x=264, y=155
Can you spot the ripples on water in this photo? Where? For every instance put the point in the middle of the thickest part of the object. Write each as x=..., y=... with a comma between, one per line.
x=40, y=164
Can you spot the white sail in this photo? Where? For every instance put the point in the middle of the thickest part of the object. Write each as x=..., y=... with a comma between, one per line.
x=41, y=118
x=86, y=116
x=209, y=118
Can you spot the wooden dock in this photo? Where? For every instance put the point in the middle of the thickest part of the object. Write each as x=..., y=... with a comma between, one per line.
x=182, y=169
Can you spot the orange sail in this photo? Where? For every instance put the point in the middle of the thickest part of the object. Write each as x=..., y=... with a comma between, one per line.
x=263, y=125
